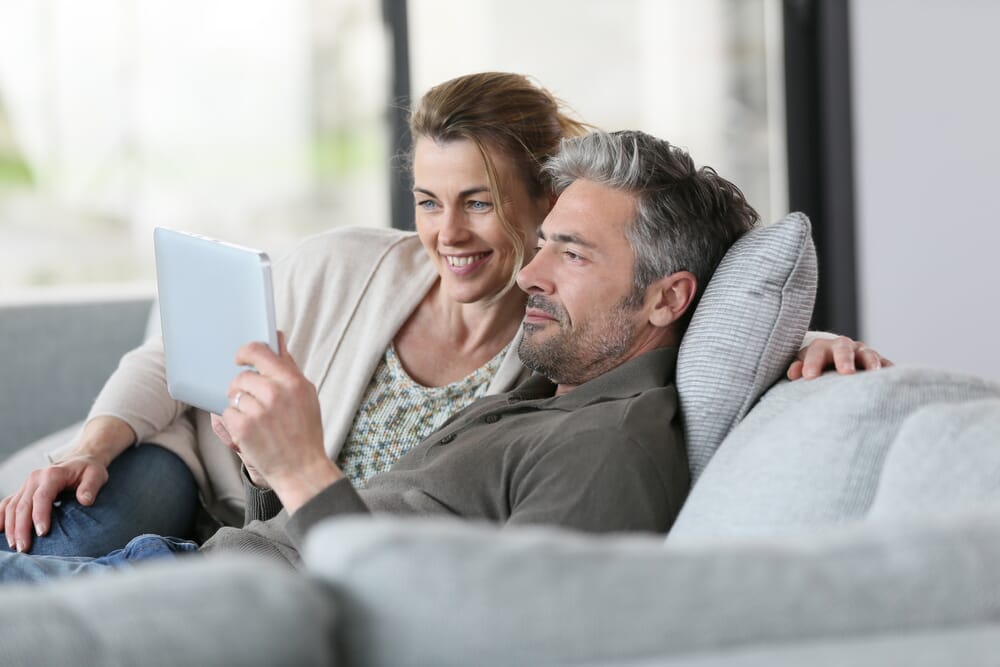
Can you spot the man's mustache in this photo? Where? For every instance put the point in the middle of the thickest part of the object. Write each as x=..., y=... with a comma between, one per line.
x=538, y=302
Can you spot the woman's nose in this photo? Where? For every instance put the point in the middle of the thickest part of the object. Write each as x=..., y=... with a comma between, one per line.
x=454, y=227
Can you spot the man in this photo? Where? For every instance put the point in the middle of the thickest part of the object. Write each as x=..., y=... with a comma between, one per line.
x=591, y=441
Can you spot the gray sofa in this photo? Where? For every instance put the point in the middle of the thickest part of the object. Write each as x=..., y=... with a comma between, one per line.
x=844, y=520
x=54, y=357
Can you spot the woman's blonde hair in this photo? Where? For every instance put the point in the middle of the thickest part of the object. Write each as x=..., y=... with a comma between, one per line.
x=503, y=112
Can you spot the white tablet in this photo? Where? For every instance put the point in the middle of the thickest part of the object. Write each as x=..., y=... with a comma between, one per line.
x=214, y=298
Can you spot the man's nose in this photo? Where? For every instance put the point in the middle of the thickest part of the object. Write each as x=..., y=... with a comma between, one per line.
x=533, y=278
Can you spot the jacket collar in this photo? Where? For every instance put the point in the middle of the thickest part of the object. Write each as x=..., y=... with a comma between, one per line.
x=651, y=370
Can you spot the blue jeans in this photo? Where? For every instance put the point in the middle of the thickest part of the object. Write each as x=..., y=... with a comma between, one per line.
x=15, y=567
x=149, y=490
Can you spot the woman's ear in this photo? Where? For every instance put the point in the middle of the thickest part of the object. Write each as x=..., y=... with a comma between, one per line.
x=669, y=297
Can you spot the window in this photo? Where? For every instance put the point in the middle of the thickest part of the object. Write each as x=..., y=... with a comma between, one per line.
x=704, y=74
x=262, y=121
x=256, y=121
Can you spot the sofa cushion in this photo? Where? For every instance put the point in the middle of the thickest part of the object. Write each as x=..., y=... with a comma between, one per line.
x=812, y=451
x=436, y=592
x=231, y=610
x=945, y=458
x=745, y=331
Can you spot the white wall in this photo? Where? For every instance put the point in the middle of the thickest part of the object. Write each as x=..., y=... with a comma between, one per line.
x=927, y=150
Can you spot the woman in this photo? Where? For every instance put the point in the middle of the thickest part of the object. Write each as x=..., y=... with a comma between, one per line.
x=396, y=331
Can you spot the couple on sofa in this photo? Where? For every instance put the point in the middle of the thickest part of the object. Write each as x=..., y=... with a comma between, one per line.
x=391, y=333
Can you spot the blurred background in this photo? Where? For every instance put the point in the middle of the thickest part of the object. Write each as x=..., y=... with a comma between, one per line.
x=263, y=121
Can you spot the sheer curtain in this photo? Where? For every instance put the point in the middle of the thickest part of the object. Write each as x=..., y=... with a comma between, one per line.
x=258, y=121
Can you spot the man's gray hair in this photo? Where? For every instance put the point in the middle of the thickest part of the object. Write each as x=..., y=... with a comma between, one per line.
x=686, y=218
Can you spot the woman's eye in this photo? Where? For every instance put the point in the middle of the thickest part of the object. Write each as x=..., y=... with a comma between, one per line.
x=479, y=206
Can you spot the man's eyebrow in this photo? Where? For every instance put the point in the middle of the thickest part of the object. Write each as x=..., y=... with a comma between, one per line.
x=464, y=193
x=566, y=238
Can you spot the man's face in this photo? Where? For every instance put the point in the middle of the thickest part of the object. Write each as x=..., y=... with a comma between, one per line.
x=579, y=323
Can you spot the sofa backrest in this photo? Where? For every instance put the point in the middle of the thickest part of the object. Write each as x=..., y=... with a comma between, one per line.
x=54, y=358
x=815, y=452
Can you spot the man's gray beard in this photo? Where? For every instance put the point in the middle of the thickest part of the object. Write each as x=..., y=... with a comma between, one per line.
x=582, y=355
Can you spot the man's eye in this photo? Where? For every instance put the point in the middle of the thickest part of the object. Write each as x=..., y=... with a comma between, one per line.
x=571, y=255
x=427, y=204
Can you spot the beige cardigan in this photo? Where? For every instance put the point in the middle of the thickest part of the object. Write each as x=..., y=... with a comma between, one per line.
x=340, y=297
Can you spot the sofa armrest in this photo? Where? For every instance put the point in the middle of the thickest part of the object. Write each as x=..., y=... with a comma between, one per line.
x=448, y=593
x=54, y=358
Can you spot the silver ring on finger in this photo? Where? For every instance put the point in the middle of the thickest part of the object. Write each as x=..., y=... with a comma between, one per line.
x=236, y=400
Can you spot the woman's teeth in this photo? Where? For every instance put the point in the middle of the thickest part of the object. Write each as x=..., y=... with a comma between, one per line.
x=464, y=261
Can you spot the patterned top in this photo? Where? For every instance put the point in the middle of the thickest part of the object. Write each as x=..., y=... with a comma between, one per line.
x=396, y=413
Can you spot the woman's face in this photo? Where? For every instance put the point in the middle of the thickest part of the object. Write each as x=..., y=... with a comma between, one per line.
x=457, y=221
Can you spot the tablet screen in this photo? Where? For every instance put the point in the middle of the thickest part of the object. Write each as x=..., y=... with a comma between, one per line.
x=214, y=298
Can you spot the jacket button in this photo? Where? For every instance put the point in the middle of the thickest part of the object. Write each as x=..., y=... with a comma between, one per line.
x=492, y=419
x=446, y=439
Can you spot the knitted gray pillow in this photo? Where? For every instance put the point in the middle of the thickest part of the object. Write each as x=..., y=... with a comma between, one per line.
x=745, y=332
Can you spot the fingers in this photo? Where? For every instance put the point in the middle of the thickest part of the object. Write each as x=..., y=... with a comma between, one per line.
x=9, y=503
x=23, y=526
x=3, y=511
x=838, y=352
x=91, y=481
x=219, y=427
x=261, y=357
x=264, y=359
x=33, y=510
x=867, y=358
x=28, y=512
x=41, y=508
x=282, y=347
x=249, y=384
x=843, y=356
x=15, y=505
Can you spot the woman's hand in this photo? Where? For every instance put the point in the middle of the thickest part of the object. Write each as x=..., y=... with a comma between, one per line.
x=840, y=353
x=28, y=511
x=275, y=425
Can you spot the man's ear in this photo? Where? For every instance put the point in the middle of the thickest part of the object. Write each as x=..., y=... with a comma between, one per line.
x=670, y=297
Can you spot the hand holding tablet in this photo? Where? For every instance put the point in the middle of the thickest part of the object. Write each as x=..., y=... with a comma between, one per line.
x=214, y=298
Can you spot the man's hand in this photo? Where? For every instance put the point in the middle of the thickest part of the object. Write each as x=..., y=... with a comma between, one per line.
x=274, y=423
x=220, y=430
x=841, y=353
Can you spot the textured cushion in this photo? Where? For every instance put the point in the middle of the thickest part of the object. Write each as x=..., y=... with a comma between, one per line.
x=745, y=332
x=449, y=593
x=812, y=452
